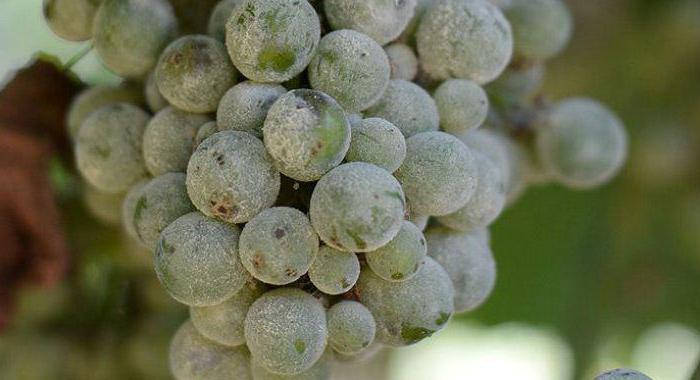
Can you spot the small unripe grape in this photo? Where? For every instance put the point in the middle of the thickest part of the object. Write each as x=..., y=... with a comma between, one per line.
x=622, y=374
x=128, y=207
x=193, y=357
x=129, y=35
x=350, y=67
x=197, y=260
x=438, y=174
x=468, y=261
x=401, y=258
x=357, y=207
x=517, y=84
x=94, y=98
x=169, y=139
x=377, y=141
x=403, y=61
x=107, y=208
x=407, y=106
x=581, y=143
x=154, y=99
x=108, y=147
x=219, y=17
x=321, y=370
x=487, y=202
x=204, y=132
x=194, y=73
x=278, y=245
x=223, y=323
x=541, y=28
x=333, y=271
x=466, y=39
x=351, y=327
x=382, y=20
x=307, y=134
x=286, y=331
x=70, y=19
x=245, y=106
x=409, y=311
x=272, y=41
x=230, y=176
x=462, y=104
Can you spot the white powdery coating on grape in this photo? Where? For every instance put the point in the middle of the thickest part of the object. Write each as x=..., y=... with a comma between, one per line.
x=377, y=141
x=94, y=98
x=154, y=99
x=272, y=40
x=333, y=271
x=350, y=67
x=105, y=207
x=581, y=143
x=408, y=107
x=402, y=257
x=467, y=39
x=194, y=72
x=223, y=323
x=468, y=261
x=219, y=17
x=307, y=134
x=108, y=147
x=409, y=311
x=380, y=19
x=70, y=19
x=129, y=207
x=169, y=140
x=488, y=200
x=541, y=28
x=403, y=61
x=438, y=174
x=129, y=35
x=193, y=357
x=351, y=327
x=321, y=370
x=622, y=374
x=278, y=245
x=204, y=132
x=357, y=207
x=231, y=177
x=197, y=261
x=286, y=331
x=245, y=106
x=156, y=205
x=462, y=104
x=517, y=84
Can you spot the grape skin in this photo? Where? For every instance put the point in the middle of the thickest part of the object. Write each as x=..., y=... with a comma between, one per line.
x=94, y=98
x=204, y=132
x=334, y=272
x=408, y=106
x=381, y=20
x=70, y=19
x=128, y=207
x=402, y=60
x=245, y=106
x=401, y=258
x=377, y=141
x=219, y=17
x=516, y=85
x=622, y=374
x=541, y=28
x=462, y=104
x=351, y=327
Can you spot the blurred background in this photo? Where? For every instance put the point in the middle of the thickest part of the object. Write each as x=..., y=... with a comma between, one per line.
x=587, y=281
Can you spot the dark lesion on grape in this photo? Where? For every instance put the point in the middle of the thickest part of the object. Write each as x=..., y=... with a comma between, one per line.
x=443, y=318
x=258, y=260
x=291, y=272
x=280, y=233
x=300, y=346
x=223, y=209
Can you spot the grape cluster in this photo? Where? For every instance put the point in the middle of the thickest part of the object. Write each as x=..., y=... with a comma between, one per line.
x=317, y=178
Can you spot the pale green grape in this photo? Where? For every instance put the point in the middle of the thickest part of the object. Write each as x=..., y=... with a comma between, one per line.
x=70, y=19
x=333, y=271
x=377, y=141
x=245, y=106
x=351, y=327
x=408, y=107
x=462, y=104
x=382, y=20
x=401, y=258
x=541, y=28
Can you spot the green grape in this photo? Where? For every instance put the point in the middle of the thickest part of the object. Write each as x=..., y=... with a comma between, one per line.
x=156, y=205
x=307, y=134
x=350, y=67
x=377, y=141
x=401, y=258
x=466, y=39
x=488, y=200
x=351, y=327
x=278, y=245
x=321, y=370
x=409, y=311
x=94, y=98
x=231, y=177
x=245, y=106
x=219, y=17
x=169, y=140
x=334, y=272
x=193, y=357
x=272, y=41
x=194, y=73
x=515, y=85
x=107, y=208
x=541, y=28
x=197, y=260
x=154, y=99
x=382, y=20
x=403, y=61
x=468, y=261
x=204, y=132
x=622, y=374
x=438, y=174
x=108, y=147
x=407, y=106
x=70, y=19
x=129, y=35
x=462, y=104
x=581, y=143
x=223, y=323
x=357, y=207
x=286, y=331
x=128, y=207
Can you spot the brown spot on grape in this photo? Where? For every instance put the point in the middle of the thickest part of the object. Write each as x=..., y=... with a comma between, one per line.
x=280, y=233
x=258, y=260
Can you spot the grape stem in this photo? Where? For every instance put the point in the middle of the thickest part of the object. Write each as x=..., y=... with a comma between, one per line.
x=77, y=57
